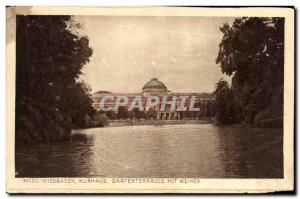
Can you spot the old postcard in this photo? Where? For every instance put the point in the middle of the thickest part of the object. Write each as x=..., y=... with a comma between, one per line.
x=150, y=100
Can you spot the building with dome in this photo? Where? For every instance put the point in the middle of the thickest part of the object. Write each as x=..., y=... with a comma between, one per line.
x=154, y=87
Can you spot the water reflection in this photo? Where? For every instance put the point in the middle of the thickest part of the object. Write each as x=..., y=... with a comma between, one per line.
x=56, y=159
x=252, y=152
x=203, y=151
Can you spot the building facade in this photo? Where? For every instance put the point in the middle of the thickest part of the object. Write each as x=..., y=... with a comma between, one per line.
x=202, y=102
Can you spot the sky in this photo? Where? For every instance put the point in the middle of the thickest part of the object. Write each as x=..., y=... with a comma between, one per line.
x=128, y=51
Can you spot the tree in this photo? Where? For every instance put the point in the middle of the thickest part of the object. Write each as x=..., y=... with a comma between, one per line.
x=100, y=119
x=252, y=52
x=77, y=102
x=50, y=56
x=151, y=114
x=136, y=113
x=111, y=114
x=122, y=113
x=223, y=103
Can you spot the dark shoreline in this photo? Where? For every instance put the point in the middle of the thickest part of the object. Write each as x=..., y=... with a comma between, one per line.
x=120, y=123
x=156, y=122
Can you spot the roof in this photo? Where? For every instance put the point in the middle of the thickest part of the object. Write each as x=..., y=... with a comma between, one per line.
x=155, y=84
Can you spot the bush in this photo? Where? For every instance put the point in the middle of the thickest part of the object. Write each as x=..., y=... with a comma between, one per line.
x=101, y=120
x=269, y=118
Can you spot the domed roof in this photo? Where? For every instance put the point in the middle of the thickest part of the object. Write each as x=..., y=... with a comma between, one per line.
x=155, y=85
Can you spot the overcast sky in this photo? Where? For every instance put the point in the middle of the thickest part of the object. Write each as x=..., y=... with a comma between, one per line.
x=127, y=49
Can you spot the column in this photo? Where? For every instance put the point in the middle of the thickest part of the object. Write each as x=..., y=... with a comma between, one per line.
x=204, y=109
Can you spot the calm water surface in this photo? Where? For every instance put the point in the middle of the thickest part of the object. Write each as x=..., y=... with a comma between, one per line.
x=199, y=151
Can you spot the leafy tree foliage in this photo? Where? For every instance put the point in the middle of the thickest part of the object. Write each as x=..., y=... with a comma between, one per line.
x=100, y=119
x=252, y=51
x=79, y=104
x=122, y=113
x=137, y=114
x=111, y=114
x=151, y=114
x=224, y=102
x=50, y=56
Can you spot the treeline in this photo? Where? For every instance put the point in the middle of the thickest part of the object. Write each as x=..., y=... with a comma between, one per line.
x=49, y=57
x=252, y=52
x=123, y=113
x=101, y=118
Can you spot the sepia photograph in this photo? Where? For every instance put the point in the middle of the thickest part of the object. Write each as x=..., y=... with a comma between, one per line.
x=119, y=97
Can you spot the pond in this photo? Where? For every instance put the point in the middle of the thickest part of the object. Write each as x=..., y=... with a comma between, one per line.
x=181, y=151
